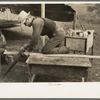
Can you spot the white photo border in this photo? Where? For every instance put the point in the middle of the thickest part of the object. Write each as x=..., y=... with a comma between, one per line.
x=45, y=90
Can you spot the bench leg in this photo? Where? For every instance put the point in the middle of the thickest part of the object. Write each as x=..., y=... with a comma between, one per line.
x=86, y=77
x=31, y=75
x=83, y=80
x=32, y=78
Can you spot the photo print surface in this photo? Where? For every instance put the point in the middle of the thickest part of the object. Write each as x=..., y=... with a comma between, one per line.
x=46, y=42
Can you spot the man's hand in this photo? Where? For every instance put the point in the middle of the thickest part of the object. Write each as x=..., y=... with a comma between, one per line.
x=25, y=47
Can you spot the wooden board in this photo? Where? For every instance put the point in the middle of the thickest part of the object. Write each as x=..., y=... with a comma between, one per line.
x=61, y=61
x=53, y=55
x=76, y=44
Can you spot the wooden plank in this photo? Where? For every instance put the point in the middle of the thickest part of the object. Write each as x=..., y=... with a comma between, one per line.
x=60, y=61
x=76, y=44
x=76, y=37
x=63, y=55
x=57, y=55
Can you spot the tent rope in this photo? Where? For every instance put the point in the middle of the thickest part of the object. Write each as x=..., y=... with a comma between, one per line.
x=83, y=28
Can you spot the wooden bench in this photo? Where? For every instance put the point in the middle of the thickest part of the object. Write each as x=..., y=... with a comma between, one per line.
x=58, y=65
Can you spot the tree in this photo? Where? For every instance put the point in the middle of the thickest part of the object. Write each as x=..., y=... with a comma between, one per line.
x=95, y=8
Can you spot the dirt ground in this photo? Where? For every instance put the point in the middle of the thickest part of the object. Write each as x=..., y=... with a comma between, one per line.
x=20, y=72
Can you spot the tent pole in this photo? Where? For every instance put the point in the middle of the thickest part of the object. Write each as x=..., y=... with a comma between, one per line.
x=43, y=16
x=74, y=22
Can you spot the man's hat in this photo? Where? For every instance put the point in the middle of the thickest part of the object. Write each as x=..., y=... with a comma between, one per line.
x=23, y=15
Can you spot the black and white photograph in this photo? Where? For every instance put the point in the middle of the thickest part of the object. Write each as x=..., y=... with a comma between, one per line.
x=49, y=42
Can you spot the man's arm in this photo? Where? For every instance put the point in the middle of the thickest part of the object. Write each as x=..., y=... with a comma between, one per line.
x=38, y=25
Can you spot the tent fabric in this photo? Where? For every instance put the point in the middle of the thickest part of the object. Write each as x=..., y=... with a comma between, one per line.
x=57, y=12
x=73, y=6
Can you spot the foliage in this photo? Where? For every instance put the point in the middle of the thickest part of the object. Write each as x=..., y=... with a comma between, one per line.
x=92, y=15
